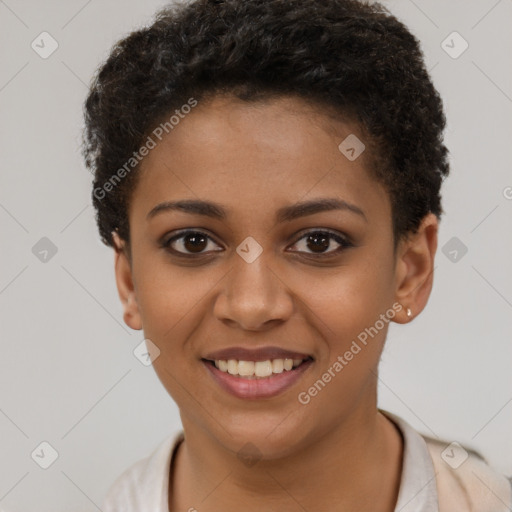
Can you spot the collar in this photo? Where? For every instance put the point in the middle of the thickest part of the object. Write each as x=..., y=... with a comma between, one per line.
x=418, y=489
x=417, y=493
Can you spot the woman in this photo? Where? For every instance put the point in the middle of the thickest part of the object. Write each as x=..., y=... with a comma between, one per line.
x=268, y=173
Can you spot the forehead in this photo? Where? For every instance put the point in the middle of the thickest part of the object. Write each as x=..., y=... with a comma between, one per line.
x=257, y=157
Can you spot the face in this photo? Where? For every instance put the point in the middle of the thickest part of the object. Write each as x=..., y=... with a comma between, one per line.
x=255, y=270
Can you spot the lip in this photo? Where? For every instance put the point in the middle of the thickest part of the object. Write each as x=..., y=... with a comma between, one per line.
x=257, y=388
x=256, y=354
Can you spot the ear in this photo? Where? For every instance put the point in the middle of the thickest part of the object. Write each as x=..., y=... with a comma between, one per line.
x=414, y=269
x=125, y=287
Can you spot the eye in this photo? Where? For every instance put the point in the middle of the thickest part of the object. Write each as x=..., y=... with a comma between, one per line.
x=188, y=243
x=320, y=241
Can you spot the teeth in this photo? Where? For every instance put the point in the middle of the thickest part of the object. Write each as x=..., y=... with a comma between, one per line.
x=277, y=365
x=256, y=369
x=262, y=368
x=245, y=368
x=233, y=367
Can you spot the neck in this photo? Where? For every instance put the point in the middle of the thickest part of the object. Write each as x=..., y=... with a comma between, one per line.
x=357, y=465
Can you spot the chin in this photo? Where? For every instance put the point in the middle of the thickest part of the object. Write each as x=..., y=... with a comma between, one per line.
x=267, y=438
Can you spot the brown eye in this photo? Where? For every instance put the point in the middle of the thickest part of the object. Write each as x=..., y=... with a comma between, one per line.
x=188, y=243
x=318, y=242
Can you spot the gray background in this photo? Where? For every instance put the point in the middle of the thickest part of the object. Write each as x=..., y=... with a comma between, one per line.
x=68, y=374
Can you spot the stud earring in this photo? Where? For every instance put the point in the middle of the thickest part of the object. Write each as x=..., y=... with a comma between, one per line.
x=409, y=312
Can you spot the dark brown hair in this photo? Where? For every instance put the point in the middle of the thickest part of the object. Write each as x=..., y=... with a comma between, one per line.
x=356, y=58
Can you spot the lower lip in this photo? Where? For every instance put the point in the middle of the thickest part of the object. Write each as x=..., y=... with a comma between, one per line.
x=258, y=388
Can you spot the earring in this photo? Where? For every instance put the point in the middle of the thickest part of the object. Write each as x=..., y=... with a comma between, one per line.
x=409, y=312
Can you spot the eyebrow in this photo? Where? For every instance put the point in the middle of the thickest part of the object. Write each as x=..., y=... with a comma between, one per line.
x=284, y=214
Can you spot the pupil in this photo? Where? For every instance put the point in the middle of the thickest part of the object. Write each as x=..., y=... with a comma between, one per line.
x=195, y=242
x=319, y=241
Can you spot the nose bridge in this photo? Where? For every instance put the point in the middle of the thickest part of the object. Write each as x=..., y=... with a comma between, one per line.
x=252, y=279
x=253, y=294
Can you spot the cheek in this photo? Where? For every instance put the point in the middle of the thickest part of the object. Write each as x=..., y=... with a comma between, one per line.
x=348, y=300
x=345, y=312
x=172, y=304
x=170, y=299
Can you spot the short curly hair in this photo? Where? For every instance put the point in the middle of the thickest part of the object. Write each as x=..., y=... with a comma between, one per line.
x=355, y=58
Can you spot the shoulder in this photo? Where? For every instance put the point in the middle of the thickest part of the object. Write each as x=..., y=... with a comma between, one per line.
x=123, y=493
x=465, y=479
x=144, y=485
x=450, y=477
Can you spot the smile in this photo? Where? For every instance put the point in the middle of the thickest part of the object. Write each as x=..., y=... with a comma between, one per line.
x=257, y=379
x=256, y=369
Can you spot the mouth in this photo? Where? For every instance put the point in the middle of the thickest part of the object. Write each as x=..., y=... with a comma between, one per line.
x=257, y=369
x=257, y=379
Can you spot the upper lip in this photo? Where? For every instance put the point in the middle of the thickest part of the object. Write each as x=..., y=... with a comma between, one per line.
x=255, y=354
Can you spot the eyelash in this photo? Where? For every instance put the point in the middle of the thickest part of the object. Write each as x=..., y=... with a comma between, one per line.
x=343, y=241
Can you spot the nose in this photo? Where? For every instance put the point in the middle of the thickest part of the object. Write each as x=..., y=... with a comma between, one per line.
x=254, y=296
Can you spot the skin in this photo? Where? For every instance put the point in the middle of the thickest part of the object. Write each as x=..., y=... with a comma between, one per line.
x=254, y=158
